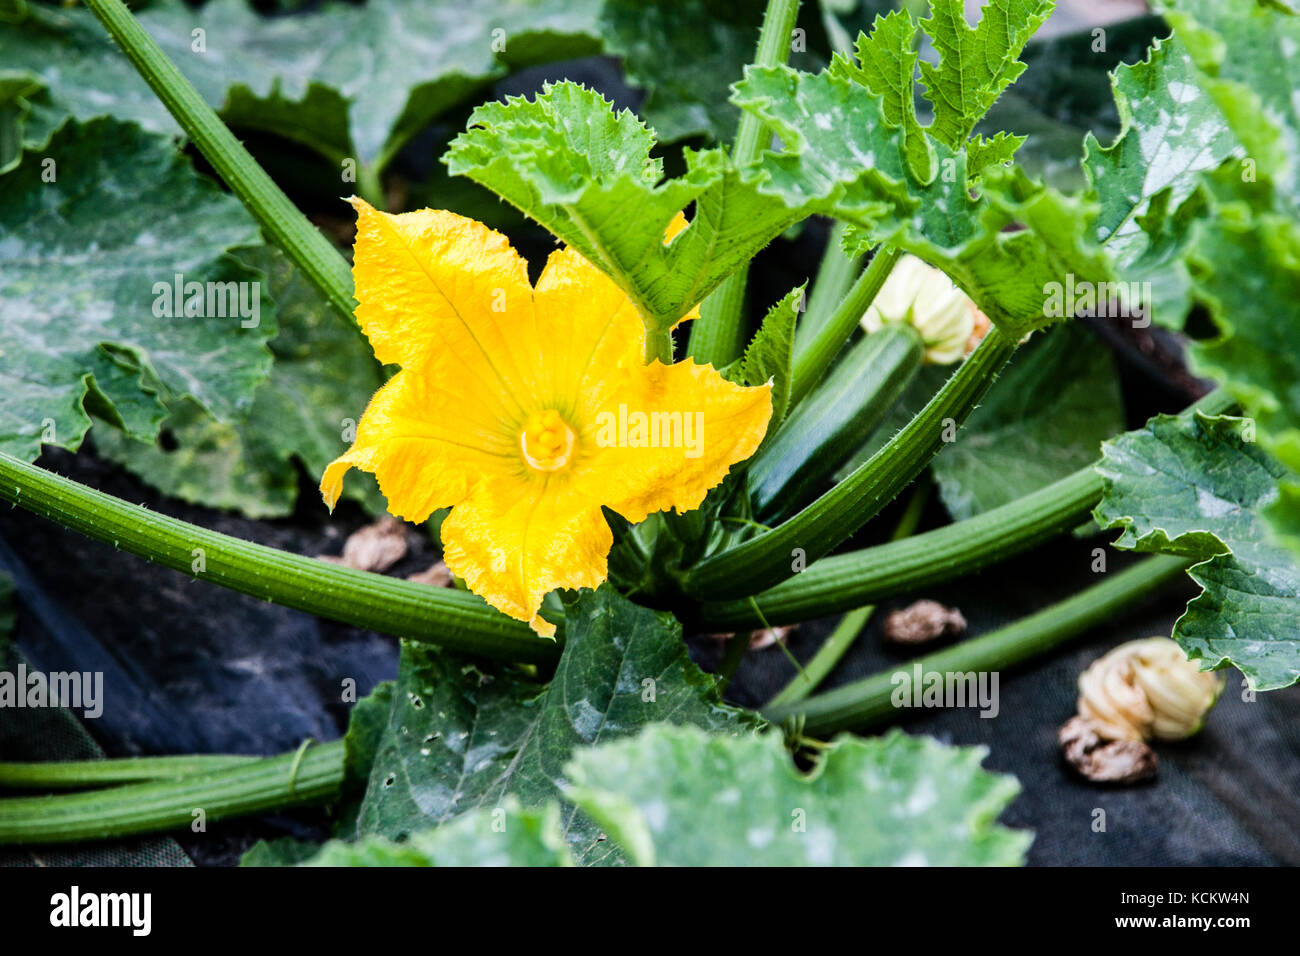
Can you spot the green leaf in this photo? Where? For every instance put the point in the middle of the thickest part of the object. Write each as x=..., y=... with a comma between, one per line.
x=1196, y=488
x=975, y=63
x=345, y=80
x=675, y=796
x=506, y=836
x=842, y=158
x=459, y=738
x=87, y=254
x=769, y=356
x=1172, y=130
x=1246, y=53
x=324, y=374
x=1045, y=418
x=1245, y=253
x=886, y=65
x=982, y=153
x=570, y=162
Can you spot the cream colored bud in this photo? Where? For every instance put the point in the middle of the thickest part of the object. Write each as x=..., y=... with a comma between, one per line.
x=1144, y=689
x=925, y=298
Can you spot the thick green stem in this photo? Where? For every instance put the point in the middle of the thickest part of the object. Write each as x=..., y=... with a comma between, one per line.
x=717, y=335
x=262, y=784
x=76, y=774
x=659, y=345
x=451, y=618
x=812, y=362
x=840, y=583
x=320, y=262
x=871, y=701
x=835, y=276
x=775, y=555
x=847, y=631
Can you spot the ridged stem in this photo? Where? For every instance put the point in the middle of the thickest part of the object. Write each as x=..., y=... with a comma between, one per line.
x=445, y=616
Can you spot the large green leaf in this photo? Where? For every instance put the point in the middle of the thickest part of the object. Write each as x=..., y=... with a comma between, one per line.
x=504, y=836
x=459, y=738
x=1196, y=488
x=79, y=322
x=346, y=80
x=1172, y=131
x=569, y=161
x=1045, y=418
x=324, y=375
x=1246, y=51
x=676, y=796
x=1244, y=255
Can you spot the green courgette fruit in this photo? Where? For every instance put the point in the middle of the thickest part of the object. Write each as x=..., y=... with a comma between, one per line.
x=832, y=422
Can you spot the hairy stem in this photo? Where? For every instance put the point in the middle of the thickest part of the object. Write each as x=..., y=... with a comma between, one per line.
x=820, y=350
x=717, y=335
x=320, y=262
x=451, y=618
x=871, y=700
x=255, y=786
x=75, y=774
x=835, y=276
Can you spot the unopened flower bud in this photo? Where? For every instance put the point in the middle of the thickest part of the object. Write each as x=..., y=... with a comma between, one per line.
x=925, y=298
x=1147, y=688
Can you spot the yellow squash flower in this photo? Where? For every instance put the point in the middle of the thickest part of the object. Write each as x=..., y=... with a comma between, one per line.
x=525, y=408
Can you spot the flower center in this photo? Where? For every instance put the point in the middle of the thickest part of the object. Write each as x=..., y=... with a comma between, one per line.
x=546, y=441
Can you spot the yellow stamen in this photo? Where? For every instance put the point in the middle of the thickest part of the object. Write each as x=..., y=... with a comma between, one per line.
x=546, y=441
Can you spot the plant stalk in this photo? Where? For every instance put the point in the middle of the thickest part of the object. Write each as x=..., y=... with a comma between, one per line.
x=717, y=335
x=871, y=701
x=260, y=785
x=835, y=276
x=319, y=261
x=75, y=774
x=812, y=362
x=846, y=632
x=451, y=618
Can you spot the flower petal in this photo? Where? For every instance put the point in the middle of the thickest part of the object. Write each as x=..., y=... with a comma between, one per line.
x=436, y=288
x=701, y=424
x=513, y=543
x=589, y=327
x=426, y=447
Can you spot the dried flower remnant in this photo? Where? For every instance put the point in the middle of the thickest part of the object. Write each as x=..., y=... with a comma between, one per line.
x=1105, y=761
x=436, y=575
x=376, y=547
x=763, y=637
x=1147, y=689
x=923, y=621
